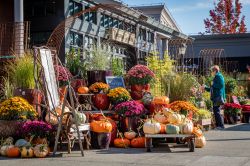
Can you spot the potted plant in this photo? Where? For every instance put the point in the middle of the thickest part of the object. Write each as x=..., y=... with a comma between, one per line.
x=14, y=111
x=184, y=107
x=130, y=111
x=63, y=76
x=231, y=112
x=40, y=131
x=22, y=74
x=77, y=67
x=100, y=99
x=139, y=78
x=98, y=65
x=118, y=95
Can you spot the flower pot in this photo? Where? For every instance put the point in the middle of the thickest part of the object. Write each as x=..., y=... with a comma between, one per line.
x=97, y=76
x=129, y=123
x=62, y=92
x=101, y=101
x=9, y=128
x=100, y=140
x=138, y=90
x=33, y=96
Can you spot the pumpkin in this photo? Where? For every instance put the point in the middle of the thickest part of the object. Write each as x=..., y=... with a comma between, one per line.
x=121, y=142
x=52, y=119
x=161, y=100
x=4, y=149
x=197, y=131
x=103, y=126
x=172, y=129
x=22, y=142
x=138, y=142
x=200, y=142
x=151, y=127
x=174, y=118
x=83, y=90
x=80, y=118
x=13, y=152
x=188, y=127
x=163, y=129
x=41, y=150
x=130, y=135
x=161, y=118
x=27, y=152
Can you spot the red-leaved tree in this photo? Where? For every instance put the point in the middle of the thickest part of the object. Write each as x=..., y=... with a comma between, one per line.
x=226, y=18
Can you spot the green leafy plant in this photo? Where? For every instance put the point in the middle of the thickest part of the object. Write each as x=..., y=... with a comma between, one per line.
x=75, y=64
x=117, y=67
x=202, y=114
x=6, y=89
x=230, y=84
x=22, y=72
x=98, y=59
x=162, y=68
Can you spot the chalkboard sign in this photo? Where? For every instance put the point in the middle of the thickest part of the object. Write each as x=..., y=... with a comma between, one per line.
x=115, y=82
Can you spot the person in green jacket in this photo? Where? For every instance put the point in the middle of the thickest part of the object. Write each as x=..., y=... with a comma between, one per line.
x=218, y=95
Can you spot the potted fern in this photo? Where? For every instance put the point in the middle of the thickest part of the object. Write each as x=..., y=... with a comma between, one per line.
x=22, y=76
x=98, y=65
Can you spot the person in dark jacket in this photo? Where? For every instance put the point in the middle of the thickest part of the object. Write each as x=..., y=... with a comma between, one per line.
x=218, y=95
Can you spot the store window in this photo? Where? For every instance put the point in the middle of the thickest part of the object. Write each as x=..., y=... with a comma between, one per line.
x=90, y=16
x=76, y=40
x=143, y=34
x=150, y=37
x=75, y=7
x=89, y=42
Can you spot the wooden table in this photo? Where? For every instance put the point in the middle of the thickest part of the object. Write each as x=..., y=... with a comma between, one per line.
x=189, y=138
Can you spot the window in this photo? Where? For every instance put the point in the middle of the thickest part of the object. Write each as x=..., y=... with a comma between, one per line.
x=143, y=34
x=76, y=39
x=89, y=42
x=90, y=16
x=150, y=37
x=74, y=8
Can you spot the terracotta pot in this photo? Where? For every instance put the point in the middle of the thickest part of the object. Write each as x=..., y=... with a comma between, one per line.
x=33, y=96
x=97, y=76
x=137, y=91
x=101, y=101
x=100, y=140
x=129, y=123
x=62, y=92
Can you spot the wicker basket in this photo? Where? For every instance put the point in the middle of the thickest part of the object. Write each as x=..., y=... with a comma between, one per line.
x=9, y=128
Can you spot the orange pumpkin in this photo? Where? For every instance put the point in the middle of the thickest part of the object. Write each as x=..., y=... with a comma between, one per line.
x=138, y=142
x=197, y=132
x=121, y=142
x=161, y=100
x=83, y=90
x=163, y=129
x=102, y=126
x=13, y=152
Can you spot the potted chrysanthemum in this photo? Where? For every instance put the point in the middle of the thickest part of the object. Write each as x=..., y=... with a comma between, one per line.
x=139, y=78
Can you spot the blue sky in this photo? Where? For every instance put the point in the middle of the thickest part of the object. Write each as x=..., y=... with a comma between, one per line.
x=189, y=14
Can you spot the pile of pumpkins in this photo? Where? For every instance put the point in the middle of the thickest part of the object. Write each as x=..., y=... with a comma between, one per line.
x=170, y=122
x=129, y=139
x=23, y=148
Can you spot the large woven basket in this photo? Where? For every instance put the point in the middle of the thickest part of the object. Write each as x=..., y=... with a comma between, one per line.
x=9, y=128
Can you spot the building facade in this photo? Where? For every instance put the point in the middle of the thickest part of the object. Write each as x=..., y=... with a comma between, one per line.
x=130, y=33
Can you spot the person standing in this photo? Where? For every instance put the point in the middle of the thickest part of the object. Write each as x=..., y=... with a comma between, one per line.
x=218, y=95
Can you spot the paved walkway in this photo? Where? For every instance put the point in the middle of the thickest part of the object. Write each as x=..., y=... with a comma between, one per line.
x=230, y=147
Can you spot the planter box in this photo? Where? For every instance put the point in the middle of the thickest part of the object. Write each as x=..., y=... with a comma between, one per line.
x=204, y=122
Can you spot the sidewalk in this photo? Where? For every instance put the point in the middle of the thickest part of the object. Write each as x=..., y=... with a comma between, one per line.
x=230, y=147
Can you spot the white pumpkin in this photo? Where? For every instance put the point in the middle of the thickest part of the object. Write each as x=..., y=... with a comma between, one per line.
x=161, y=118
x=188, y=127
x=174, y=118
x=151, y=127
x=200, y=142
x=4, y=149
x=167, y=112
x=80, y=118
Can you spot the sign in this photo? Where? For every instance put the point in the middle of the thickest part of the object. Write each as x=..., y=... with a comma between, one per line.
x=115, y=82
x=122, y=36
